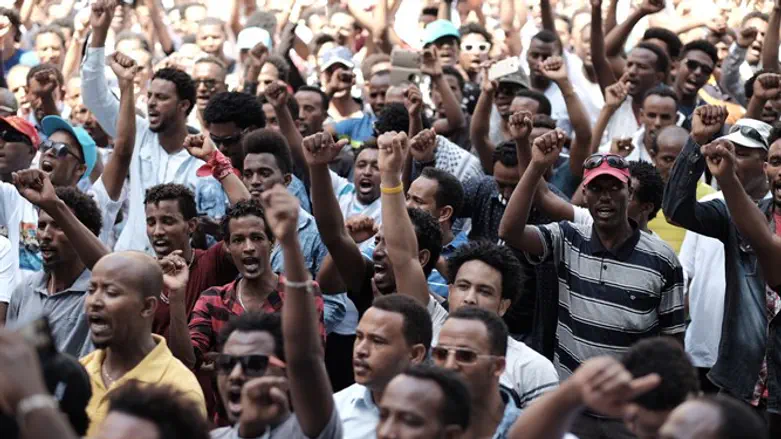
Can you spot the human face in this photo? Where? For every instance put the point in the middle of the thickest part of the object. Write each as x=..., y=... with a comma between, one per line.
x=607, y=199
x=73, y=92
x=750, y=167
x=81, y=116
x=641, y=72
x=49, y=48
x=17, y=81
x=693, y=72
x=539, y=51
x=471, y=54
x=16, y=155
x=668, y=150
x=261, y=172
x=367, y=176
x=311, y=113
x=422, y=194
x=562, y=28
x=210, y=39
x=226, y=137
x=167, y=228
x=448, y=48
x=164, y=109
x=658, y=112
x=63, y=170
x=230, y=384
x=505, y=94
x=436, y=96
x=269, y=74
x=209, y=80
x=380, y=351
x=378, y=86
x=271, y=117
x=482, y=376
x=523, y=103
x=383, y=277
x=250, y=246
x=344, y=29
x=478, y=284
x=773, y=172
x=141, y=81
x=755, y=50
x=56, y=248
x=506, y=179
x=583, y=47
x=411, y=409
x=692, y=420
x=119, y=425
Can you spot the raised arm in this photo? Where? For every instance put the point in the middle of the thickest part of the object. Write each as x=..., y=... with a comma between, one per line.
x=480, y=126
x=507, y=15
x=413, y=101
x=176, y=275
x=767, y=87
x=731, y=80
x=615, y=95
x=605, y=75
x=770, y=43
x=400, y=239
x=70, y=65
x=162, y=32
x=278, y=96
x=546, y=14
x=35, y=186
x=612, y=13
x=616, y=38
x=454, y=117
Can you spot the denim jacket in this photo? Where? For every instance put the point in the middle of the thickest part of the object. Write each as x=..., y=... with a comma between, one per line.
x=746, y=335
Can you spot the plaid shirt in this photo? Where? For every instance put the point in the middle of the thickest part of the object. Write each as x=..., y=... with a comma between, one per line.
x=217, y=305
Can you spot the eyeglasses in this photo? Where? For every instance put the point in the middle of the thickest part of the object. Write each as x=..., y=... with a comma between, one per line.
x=614, y=161
x=475, y=47
x=14, y=137
x=227, y=140
x=60, y=149
x=751, y=133
x=693, y=65
x=254, y=365
x=210, y=84
x=463, y=355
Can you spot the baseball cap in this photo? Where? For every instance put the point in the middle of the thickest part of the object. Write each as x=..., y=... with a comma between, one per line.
x=251, y=36
x=517, y=78
x=605, y=164
x=24, y=127
x=52, y=124
x=336, y=55
x=438, y=29
x=750, y=133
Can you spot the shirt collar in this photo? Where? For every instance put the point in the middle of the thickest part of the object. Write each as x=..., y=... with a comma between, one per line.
x=79, y=286
x=149, y=370
x=362, y=397
x=621, y=253
x=458, y=241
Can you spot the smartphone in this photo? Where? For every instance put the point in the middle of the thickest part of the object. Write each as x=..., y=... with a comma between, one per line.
x=38, y=334
x=405, y=67
x=504, y=67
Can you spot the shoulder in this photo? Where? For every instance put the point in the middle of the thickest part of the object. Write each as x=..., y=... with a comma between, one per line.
x=349, y=394
x=525, y=357
x=654, y=244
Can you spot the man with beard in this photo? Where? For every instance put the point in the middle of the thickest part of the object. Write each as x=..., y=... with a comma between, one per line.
x=764, y=93
x=209, y=78
x=120, y=308
x=68, y=228
x=698, y=60
x=158, y=155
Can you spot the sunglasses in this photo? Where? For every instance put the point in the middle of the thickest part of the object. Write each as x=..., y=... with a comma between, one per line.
x=751, y=133
x=254, y=365
x=9, y=136
x=462, y=355
x=227, y=140
x=210, y=84
x=614, y=161
x=693, y=65
x=61, y=150
x=475, y=47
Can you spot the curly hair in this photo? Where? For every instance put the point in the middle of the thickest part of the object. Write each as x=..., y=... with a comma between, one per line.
x=416, y=327
x=268, y=141
x=506, y=154
x=392, y=117
x=185, y=87
x=666, y=357
x=669, y=38
x=428, y=234
x=703, y=46
x=254, y=321
x=173, y=191
x=475, y=28
x=240, y=210
x=499, y=257
x=450, y=192
x=281, y=65
x=651, y=185
x=231, y=106
x=174, y=414
x=83, y=206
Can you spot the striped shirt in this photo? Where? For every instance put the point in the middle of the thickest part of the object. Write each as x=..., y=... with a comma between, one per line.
x=608, y=300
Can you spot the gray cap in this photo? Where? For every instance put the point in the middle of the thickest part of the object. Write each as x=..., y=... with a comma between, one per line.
x=518, y=78
x=8, y=104
x=750, y=133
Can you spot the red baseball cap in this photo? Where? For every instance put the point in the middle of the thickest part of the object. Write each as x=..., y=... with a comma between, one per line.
x=605, y=168
x=24, y=127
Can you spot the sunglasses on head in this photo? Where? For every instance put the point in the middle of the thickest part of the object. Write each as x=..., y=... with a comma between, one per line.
x=227, y=140
x=254, y=365
x=475, y=47
x=693, y=65
x=462, y=355
x=751, y=133
x=11, y=136
x=614, y=161
x=61, y=150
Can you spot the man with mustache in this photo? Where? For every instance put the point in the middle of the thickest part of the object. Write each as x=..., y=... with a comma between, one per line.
x=698, y=60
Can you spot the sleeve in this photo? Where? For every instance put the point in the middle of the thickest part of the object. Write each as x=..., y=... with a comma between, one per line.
x=9, y=270
x=730, y=74
x=335, y=309
x=671, y=311
x=536, y=383
x=340, y=184
x=14, y=303
x=688, y=253
x=109, y=209
x=201, y=332
x=344, y=129
x=551, y=236
x=582, y=216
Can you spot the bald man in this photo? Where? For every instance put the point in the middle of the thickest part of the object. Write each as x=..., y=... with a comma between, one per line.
x=120, y=306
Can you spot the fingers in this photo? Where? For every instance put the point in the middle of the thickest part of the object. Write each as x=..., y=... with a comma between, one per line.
x=553, y=64
x=424, y=140
x=521, y=119
x=642, y=385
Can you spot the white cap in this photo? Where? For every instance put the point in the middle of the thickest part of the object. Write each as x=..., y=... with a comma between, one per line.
x=251, y=36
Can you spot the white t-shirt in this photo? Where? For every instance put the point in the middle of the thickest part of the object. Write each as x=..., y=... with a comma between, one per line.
x=623, y=123
x=527, y=372
x=9, y=270
x=348, y=201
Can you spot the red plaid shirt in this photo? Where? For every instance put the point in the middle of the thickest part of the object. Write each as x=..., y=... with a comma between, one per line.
x=217, y=305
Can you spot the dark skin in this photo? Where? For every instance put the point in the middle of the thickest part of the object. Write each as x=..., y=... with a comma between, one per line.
x=14, y=156
x=540, y=51
x=641, y=75
x=607, y=199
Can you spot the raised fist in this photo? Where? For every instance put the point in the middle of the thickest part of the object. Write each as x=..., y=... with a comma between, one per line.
x=615, y=94
x=520, y=125
x=320, y=149
x=393, y=148
x=413, y=100
x=720, y=158
x=707, y=121
x=423, y=144
x=102, y=14
x=767, y=86
x=276, y=94
x=361, y=228
x=430, y=63
x=43, y=83
x=555, y=69
x=199, y=146
x=746, y=36
x=547, y=148
x=124, y=67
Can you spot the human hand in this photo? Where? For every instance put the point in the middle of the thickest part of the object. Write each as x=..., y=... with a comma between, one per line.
x=176, y=274
x=413, y=100
x=622, y=146
x=43, y=84
x=102, y=14
x=707, y=121
x=546, y=148
x=423, y=144
x=255, y=59
x=393, y=148
x=282, y=209
x=616, y=94
x=520, y=124
x=341, y=80
x=276, y=94
x=20, y=374
x=652, y=6
x=554, y=69
x=746, y=36
x=35, y=186
x=767, y=86
x=320, y=149
x=430, y=63
x=717, y=26
x=124, y=67
x=720, y=158
x=81, y=24
x=199, y=146
x=486, y=85
x=264, y=403
x=361, y=228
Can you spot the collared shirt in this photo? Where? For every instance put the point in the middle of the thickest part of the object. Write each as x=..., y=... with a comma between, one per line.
x=527, y=373
x=64, y=309
x=358, y=412
x=451, y=158
x=159, y=367
x=610, y=299
x=511, y=413
x=311, y=245
x=9, y=270
x=288, y=429
x=211, y=199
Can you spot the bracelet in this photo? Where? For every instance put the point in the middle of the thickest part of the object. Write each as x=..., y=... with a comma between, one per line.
x=392, y=190
x=307, y=284
x=33, y=403
x=218, y=166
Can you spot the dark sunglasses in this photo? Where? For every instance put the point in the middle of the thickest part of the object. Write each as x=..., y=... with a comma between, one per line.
x=254, y=365
x=692, y=65
x=60, y=149
x=211, y=84
x=614, y=161
x=227, y=140
x=462, y=355
x=475, y=47
x=14, y=137
x=751, y=133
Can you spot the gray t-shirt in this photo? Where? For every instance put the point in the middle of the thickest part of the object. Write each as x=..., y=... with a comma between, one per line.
x=289, y=429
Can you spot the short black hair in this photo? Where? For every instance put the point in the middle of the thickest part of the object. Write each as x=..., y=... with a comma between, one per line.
x=130, y=35
x=500, y=257
x=211, y=21
x=392, y=117
x=543, y=121
x=173, y=191
x=173, y=413
x=702, y=46
x=738, y=420
x=263, y=19
x=280, y=64
x=319, y=40
x=15, y=20
x=50, y=29
x=665, y=357
x=452, y=71
x=46, y=67
x=752, y=15
x=450, y=192
x=651, y=189
x=240, y=210
x=476, y=28
x=417, y=327
x=662, y=60
x=495, y=326
x=370, y=143
x=547, y=37
x=775, y=133
x=669, y=37
x=254, y=321
x=211, y=59
x=185, y=87
x=545, y=106
x=83, y=206
x=457, y=402
x=506, y=154
x=231, y=106
x=429, y=236
x=324, y=99
x=268, y=141
x=662, y=90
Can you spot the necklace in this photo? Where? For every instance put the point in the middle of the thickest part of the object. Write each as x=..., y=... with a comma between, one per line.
x=106, y=376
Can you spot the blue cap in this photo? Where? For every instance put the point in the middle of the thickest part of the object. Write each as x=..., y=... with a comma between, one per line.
x=89, y=149
x=438, y=29
x=336, y=55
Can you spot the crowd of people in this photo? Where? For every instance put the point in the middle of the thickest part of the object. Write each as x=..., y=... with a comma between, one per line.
x=399, y=219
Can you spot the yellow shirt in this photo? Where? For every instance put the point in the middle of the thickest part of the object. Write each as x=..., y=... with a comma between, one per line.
x=671, y=234
x=159, y=367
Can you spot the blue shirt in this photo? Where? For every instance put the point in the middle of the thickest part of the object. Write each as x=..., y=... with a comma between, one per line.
x=511, y=413
x=21, y=56
x=436, y=282
x=311, y=246
x=358, y=412
x=357, y=130
x=212, y=201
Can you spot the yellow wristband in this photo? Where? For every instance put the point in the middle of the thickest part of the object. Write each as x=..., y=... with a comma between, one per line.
x=392, y=190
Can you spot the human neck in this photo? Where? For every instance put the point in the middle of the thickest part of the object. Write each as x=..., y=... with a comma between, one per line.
x=540, y=84
x=118, y=362
x=260, y=287
x=687, y=101
x=758, y=191
x=344, y=104
x=613, y=237
x=486, y=415
x=447, y=233
x=63, y=276
x=172, y=139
